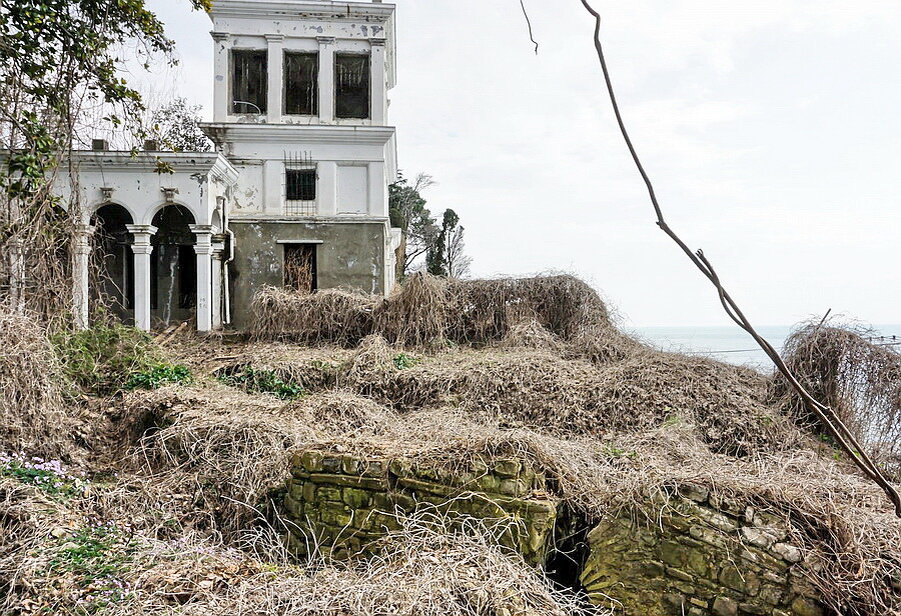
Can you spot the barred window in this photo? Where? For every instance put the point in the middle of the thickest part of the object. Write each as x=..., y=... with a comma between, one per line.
x=301, y=184
x=302, y=83
x=351, y=86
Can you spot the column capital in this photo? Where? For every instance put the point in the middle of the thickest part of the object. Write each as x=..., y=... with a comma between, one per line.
x=85, y=230
x=220, y=37
x=325, y=40
x=378, y=42
x=274, y=38
x=145, y=230
x=201, y=229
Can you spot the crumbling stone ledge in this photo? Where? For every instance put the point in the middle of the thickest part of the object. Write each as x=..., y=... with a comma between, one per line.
x=702, y=556
x=343, y=504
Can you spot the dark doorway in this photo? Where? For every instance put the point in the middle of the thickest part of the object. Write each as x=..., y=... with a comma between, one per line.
x=300, y=267
x=113, y=288
x=173, y=267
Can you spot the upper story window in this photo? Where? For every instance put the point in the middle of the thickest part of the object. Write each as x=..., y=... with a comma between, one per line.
x=301, y=83
x=352, y=86
x=249, y=81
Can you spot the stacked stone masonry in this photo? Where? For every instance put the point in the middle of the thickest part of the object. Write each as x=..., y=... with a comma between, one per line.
x=702, y=556
x=342, y=504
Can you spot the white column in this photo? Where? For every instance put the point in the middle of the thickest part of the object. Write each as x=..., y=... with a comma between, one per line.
x=204, y=250
x=276, y=76
x=218, y=248
x=142, y=250
x=326, y=79
x=327, y=188
x=379, y=83
x=221, y=62
x=81, y=281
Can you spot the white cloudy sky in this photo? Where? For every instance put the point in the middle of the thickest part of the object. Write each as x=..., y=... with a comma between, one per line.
x=771, y=128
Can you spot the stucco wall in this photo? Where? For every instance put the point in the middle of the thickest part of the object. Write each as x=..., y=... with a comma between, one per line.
x=351, y=255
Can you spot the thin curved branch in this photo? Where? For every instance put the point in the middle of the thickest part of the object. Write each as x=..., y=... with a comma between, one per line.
x=525, y=14
x=846, y=440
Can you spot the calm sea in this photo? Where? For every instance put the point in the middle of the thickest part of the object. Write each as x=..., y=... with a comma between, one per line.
x=728, y=344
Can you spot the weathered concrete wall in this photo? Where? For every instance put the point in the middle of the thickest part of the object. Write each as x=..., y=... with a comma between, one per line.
x=350, y=255
x=344, y=504
x=703, y=556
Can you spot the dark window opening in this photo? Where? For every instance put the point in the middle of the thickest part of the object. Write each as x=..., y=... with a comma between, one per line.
x=300, y=184
x=351, y=86
x=302, y=83
x=249, y=81
x=300, y=267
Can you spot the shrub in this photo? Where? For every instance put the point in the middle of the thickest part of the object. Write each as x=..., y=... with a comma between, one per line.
x=159, y=375
x=104, y=358
x=261, y=381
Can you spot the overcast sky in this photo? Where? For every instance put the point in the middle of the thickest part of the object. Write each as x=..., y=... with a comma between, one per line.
x=771, y=128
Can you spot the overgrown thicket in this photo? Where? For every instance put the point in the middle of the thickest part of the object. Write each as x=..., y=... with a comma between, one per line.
x=433, y=312
x=860, y=379
x=441, y=372
x=31, y=389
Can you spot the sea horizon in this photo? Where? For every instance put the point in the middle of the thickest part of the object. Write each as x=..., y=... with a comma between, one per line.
x=727, y=343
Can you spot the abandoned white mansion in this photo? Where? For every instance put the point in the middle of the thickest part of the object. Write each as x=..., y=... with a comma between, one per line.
x=296, y=194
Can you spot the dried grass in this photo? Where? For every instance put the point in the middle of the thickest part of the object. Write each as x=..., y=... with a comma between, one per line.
x=860, y=380
x=538, y=389
x=31, y=389
x=326, y=317
x=428, y=312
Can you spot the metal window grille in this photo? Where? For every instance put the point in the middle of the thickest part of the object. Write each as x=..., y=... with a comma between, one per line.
x=300, y=185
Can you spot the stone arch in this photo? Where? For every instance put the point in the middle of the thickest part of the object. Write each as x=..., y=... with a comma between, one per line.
x=173, y=265
x=113, y=285
x=152, y=212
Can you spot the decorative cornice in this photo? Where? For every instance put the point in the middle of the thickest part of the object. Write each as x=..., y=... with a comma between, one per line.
x=293, y=133
x=215, y=165
x=303, y=8
x=220, y=37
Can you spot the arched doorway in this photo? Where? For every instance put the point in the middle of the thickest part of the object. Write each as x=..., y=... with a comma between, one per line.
x=113, y=289
x=173, y=267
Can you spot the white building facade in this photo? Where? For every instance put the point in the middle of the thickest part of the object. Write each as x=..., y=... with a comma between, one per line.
x=296, y=194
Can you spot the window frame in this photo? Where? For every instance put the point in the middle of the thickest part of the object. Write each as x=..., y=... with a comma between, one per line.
x=315, y=102
x=368, y=73
x=233, y=81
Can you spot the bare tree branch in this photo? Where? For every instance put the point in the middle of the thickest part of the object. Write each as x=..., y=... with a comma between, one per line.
x=826, y=414
x=525, y=14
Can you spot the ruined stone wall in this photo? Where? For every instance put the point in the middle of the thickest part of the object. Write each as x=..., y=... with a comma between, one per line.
x=343, y=504
x=702, y=556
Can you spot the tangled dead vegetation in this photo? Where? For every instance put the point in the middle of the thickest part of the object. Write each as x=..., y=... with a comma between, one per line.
x=31, y=389
x=537, y=389
x=429, y=312
x=327, y=317
x=861, y=380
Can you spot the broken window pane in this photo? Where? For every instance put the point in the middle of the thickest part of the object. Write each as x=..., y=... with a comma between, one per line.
x=302, y=83
x=249, y=81
x=351, y=86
